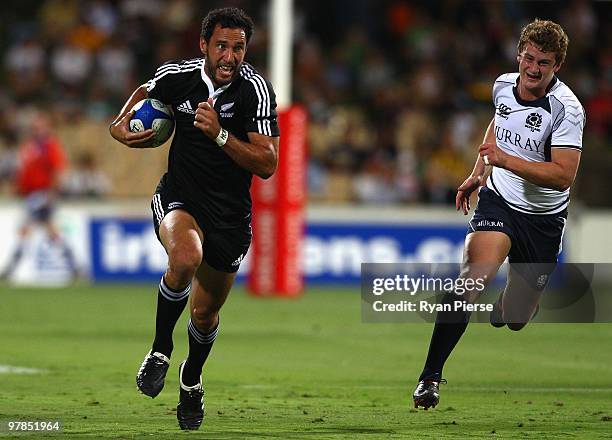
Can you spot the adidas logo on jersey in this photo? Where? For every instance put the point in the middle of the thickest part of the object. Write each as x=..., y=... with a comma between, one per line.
x=238, y=260
x=185, y=107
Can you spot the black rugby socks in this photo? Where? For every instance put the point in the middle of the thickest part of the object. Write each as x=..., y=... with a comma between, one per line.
x=170, y=305
x=200, y=344
x=449, y=327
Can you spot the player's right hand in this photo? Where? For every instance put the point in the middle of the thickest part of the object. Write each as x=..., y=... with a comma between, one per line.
x=465, y=190
x=121, y=132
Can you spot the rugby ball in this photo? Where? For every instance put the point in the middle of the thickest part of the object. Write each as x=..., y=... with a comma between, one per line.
x=151, y=113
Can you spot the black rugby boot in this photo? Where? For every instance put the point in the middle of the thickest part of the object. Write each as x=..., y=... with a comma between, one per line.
x=427, y=393
x=150, y=377
x=190, y=410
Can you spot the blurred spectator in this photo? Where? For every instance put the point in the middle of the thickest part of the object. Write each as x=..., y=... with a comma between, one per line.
x=41, y=161
x=375, y=184
x=116, y=67
x=57, y=17
x=25, y=63
x=70, y=65
x=179, y=14
x=384, y=82
x=102, y=16
x=141, y=8
x=85, y=179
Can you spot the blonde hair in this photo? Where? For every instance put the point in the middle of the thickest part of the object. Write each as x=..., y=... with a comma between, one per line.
x=548, y=36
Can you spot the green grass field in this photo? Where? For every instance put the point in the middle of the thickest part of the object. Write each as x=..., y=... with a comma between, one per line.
x=295, y=369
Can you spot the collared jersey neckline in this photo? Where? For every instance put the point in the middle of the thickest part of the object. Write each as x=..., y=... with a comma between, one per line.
x=214, y=94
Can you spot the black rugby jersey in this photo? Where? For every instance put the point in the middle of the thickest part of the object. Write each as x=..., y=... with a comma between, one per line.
x=198, y=169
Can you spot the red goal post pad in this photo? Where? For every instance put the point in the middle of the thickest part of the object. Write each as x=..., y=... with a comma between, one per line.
x=279, y=214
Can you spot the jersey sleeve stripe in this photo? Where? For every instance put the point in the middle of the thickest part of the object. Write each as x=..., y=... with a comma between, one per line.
x=263, y=88
x=181, y=64
x=260, y=97
x=567, y=147
x=159, y=74
x=157, y=78
x=574, y=123
x=263, y=96
x=167, y=67
x=263, y=108
x=176, y=68
x=259, y=105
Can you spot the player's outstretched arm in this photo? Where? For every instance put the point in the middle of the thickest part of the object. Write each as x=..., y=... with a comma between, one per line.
x=259, y=155
x=120, y=127
x=477, y=178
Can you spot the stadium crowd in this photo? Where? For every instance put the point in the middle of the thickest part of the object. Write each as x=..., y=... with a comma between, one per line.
x=398, y=92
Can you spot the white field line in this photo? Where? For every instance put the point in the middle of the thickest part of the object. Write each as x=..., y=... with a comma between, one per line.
x=10, y=369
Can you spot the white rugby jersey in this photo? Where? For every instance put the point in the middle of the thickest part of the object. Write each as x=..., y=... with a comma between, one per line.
x=529, y=129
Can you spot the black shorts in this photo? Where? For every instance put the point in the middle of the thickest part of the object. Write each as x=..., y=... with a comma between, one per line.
x=223, y=249
x=535, y=238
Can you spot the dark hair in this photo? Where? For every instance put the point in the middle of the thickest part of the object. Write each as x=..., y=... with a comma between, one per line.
x=232, y=18
x=548, y=36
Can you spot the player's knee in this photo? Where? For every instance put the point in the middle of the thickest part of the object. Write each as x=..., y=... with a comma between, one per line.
x=204, y=318
x=481, y=274
x=184, y=261
x=516, y=326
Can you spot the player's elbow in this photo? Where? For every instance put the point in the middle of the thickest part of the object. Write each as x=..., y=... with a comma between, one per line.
x=267, y=171
x=271, y=164
x=563, y=184
x=563, y=187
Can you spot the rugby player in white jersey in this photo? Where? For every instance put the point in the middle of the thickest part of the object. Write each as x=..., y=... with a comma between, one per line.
x=524, y=169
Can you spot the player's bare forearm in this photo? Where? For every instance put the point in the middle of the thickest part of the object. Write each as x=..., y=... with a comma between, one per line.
x=119, y=128
x=259, y=155
x=480, y=171
x=477, y=178
x=559, y=174
x=480, y=167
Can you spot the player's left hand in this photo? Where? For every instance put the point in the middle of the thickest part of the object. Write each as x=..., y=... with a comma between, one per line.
x=495, y=156
x=206, y=119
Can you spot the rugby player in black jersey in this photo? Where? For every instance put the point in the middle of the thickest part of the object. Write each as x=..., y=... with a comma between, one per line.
x=226, y=131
